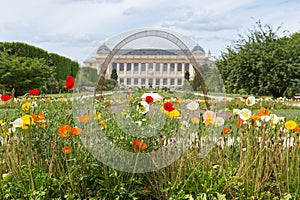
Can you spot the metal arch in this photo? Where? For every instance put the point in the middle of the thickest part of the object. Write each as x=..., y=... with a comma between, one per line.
x=156, y=33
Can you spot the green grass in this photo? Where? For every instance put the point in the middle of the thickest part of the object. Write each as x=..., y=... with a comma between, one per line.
x=36, y=168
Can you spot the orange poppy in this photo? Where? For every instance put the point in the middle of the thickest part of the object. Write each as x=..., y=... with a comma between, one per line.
x=263, y=112
x=138, y=144
x=225, y=130
x=254, y=150
x=64, y=131
x=84, y=118
x=43, y=125
x=76, y=131
x=39, y=118
x=297, y=129
x=239, y=122
x=66, y=150
x=255, y=117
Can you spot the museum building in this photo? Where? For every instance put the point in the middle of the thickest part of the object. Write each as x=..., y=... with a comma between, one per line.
x=149, y=67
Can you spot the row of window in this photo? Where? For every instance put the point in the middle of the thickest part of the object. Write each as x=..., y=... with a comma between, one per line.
x=158, y=81
x=158, y=66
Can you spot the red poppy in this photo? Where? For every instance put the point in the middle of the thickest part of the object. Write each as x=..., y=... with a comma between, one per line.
x=168, y=107
x=138, y=144
x=69, y=78
x=149, y=99
x=34, y=92
x=70, y=83
x=5, y=97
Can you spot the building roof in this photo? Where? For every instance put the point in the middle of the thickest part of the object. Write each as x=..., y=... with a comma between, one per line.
x=149, y=52
x=103, y=47
x=198, y=48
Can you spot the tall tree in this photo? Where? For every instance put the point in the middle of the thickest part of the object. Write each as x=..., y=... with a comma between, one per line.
x=23, y=73
x=114, y=74
x=187, y=75
x=262, y=63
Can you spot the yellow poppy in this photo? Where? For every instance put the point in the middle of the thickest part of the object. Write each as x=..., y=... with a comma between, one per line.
x=25, y=106
x=173, y=114
x=27, y=121
x=290, y=125
x=102, y=124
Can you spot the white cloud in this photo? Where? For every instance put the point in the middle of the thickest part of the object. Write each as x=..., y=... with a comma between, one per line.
x=75, y=27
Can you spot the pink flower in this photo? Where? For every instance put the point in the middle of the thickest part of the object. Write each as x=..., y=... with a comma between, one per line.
x=209, y=117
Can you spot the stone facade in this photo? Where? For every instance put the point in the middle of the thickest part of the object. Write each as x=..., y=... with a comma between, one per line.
x=149, y=67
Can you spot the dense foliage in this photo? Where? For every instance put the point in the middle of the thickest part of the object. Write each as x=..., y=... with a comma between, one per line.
x=35, y=66
x=22, y=73
x=262, y=64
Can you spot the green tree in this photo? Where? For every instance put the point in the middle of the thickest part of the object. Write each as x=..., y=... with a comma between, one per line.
x=62, y=66
x=187, y=75
x=52, y=85
x=23, y=73
x=114, y=74
x=262, y=63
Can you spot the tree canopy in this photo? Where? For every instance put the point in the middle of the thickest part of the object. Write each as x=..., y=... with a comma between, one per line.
x=262, y=63
x=22, y=73
x=24, y=66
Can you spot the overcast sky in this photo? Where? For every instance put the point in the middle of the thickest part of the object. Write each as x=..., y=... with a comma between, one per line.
x=75, y=28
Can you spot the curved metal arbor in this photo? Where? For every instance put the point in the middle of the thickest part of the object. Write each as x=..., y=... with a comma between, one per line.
x=156, y=33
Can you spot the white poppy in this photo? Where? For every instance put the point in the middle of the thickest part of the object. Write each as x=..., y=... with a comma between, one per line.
x=245, y=114
x=192, y=105
x=250, y=101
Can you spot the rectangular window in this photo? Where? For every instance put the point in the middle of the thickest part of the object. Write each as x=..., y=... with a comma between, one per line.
x=128, y=66
x=165, y=67
x=172, y=81
x=143, y=67
x=179, y=81
x=157, y=67
x=150, y=66
x=143, y=81
x=157, y=81
x=121, y=65
x=114, y=66
x=150, y=81
x=165, y=81
x=136, y=67
x=129, y=81
x=136, y=81
x=121, y=80
x=179, y=67
x=186, y=67
x=172, y=67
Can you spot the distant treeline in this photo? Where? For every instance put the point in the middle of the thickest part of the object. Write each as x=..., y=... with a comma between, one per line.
x=23, y=66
